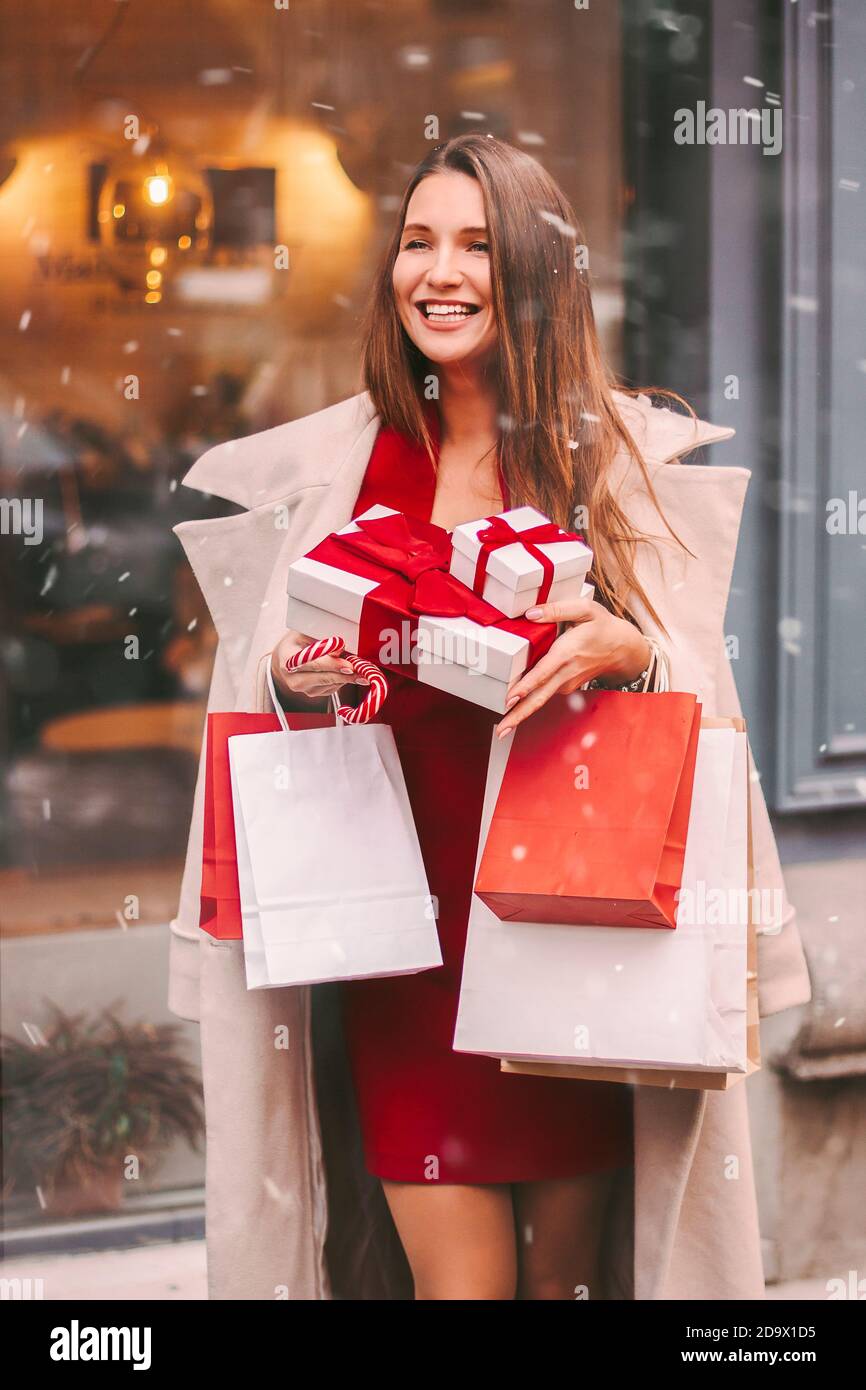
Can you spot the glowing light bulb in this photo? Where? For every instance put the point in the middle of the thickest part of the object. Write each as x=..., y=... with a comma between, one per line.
x=157, y=189
x=119, y=209
x=158, y=255
x=154, y=279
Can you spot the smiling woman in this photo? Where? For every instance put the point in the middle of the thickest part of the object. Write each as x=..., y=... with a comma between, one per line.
x=496, y=1188
x=482, y=359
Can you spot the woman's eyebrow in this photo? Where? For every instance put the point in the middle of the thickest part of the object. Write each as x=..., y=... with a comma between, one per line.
x=464, y=231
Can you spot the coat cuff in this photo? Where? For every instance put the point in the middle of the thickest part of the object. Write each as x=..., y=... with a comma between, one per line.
x=790, y=984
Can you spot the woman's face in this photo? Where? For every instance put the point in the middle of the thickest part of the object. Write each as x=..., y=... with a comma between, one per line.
x=442, y=272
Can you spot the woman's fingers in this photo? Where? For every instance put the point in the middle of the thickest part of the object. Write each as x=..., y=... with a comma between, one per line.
x=333, y=675
x=305, y=679
x=315, y=679
x=331, y=664
x=544, y=670
x=319, y=692
x=528, y=705
x=565, y=611
x=324, y=676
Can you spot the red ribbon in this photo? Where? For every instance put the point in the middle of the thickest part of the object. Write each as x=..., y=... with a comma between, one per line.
x=410, y=559
x=421, y=553
x=500, y=532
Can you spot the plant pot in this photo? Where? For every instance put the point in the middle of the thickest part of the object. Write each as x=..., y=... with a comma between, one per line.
x=96, y=1189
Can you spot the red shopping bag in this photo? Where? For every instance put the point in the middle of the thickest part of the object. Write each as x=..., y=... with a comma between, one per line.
x=591, y=820
x=220, y=908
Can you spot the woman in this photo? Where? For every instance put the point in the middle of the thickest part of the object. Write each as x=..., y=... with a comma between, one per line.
x=497, y=1184
x=286, y=1187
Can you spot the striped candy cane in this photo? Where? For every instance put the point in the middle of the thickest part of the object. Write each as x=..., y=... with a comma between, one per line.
x=334, y=646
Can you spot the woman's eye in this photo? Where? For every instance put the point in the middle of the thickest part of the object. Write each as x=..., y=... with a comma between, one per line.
x=417, y=241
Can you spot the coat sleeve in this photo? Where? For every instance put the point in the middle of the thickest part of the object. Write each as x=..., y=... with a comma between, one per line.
x=184, y=931
x=783, y=976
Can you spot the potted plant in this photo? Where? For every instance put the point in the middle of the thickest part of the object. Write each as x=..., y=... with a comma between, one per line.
x=88, y=1094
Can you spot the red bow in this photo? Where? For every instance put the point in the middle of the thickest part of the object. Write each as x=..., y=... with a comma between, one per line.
x=421, y=553
x=499, y=532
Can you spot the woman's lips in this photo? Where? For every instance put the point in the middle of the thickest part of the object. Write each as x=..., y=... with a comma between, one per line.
x=445, y=325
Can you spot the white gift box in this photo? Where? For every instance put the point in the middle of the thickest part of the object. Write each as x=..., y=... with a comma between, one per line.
x=611, y=996
x=513, y=575
x=457, y=655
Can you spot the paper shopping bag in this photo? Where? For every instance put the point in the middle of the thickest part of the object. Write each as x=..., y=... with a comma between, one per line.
x=334, y=886
x=590, y=822
x=255, y=961
x=220, y=906
x=207, y=893
x=615, y=998
x=660, y=1076
x=220, y=913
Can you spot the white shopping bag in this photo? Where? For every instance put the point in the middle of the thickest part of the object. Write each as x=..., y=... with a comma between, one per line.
x=332, y=882
x=614, y=997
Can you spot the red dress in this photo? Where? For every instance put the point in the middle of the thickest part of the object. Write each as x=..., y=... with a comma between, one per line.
x=425, y=1110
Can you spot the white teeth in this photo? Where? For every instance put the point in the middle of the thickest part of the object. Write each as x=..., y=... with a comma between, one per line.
x=442, y=311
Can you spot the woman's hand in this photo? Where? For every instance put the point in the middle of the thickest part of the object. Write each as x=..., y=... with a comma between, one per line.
x=317, y=678
x=595, y=643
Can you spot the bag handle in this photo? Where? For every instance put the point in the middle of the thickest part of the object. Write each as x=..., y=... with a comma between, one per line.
x=662, y=680
x=333, y=646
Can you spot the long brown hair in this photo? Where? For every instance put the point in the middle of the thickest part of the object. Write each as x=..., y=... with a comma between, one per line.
x=554, y=388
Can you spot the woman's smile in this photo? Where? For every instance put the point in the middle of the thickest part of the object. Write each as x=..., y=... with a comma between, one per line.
x=444, y=315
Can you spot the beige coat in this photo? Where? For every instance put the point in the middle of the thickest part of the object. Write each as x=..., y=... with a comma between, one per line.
x=283, y=1165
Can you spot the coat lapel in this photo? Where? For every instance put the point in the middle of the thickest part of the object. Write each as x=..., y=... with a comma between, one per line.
x=689, y=591
x=241, y=562
x=231, y=557
x=318, y=512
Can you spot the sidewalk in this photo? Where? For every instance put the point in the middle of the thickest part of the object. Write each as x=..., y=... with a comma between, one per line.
x=145, y=1274
x=178, y=1271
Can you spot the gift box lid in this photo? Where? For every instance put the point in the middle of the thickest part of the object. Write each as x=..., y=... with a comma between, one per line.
x=341, y=591
x=513, y=564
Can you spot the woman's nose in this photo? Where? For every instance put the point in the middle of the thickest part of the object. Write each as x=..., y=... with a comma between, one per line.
x=444, y=270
